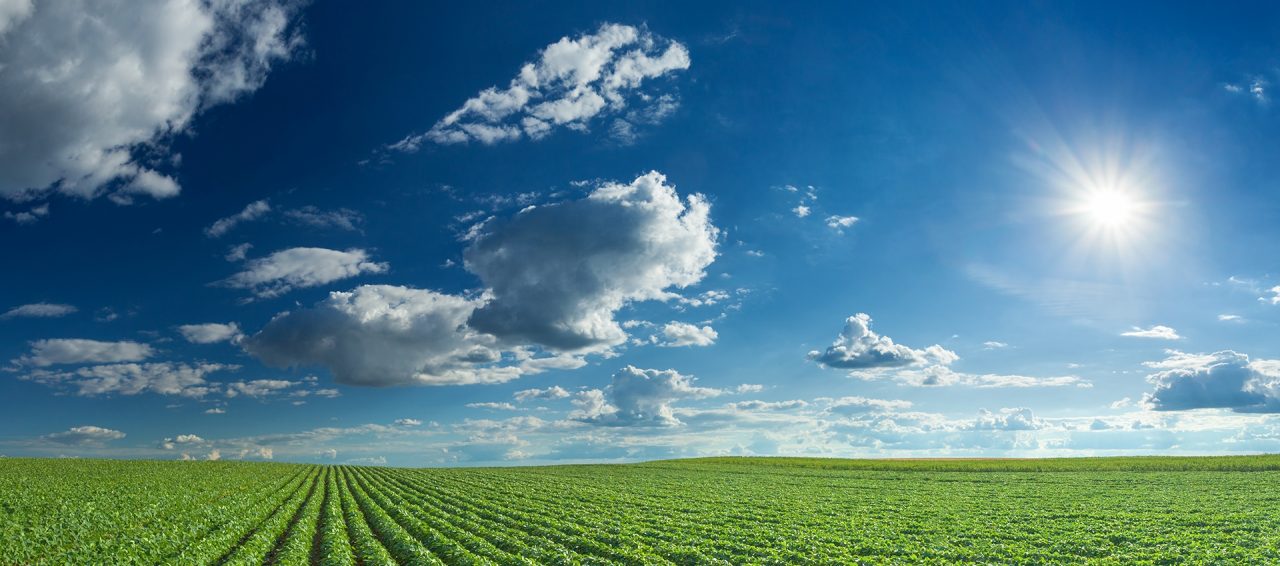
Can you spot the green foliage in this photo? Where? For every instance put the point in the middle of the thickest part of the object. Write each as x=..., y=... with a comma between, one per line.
x=703, y=511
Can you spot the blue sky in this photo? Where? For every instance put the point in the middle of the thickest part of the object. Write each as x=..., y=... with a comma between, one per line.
x=418, y=236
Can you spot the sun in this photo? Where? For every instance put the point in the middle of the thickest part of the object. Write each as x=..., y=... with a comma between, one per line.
x=1110, y=208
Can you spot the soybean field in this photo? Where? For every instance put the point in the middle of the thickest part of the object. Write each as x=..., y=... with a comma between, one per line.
x=708, y=511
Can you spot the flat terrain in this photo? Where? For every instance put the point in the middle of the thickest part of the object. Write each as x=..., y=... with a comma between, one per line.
x=706, y=511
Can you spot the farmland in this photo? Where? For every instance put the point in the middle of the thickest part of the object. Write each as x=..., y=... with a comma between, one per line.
x=718, y=510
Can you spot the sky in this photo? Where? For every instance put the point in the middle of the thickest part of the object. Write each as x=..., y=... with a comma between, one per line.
x=420, y=235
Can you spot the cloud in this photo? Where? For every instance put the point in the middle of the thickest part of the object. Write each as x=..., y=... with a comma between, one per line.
x=253, y=211
x=859, y=405
x=550, y=393
x=858, y=347
x=1222, y=380
x=297, y=268
x=559, y=272
x=56, y=351
x=839, y=223
x=210, y=333
x=378, y=335
x=678, y=334
x=1230, y=318
x=181, y=439
x=503, y=406
x=1157, y=331
x=1274, y=299
x=937, y=375
x=238, y=252
x=258, y=387
x=572, y=82
x=28, y=216
x=163, y=378
x=1007, y=419
x=801, y=211
x=215, y=411
x=994, y=345
x=95, y=91
x=84, y=435
x=639, y=397
x=342, y=218
x=39, y=310
x=408, y=422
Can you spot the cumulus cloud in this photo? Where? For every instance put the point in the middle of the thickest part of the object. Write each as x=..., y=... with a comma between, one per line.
x=1223, y=380
x=1020, y=418
x=95, y=89
x=253, y=211
x=39, y=310
x=296, y=268
x=181, y=440
x=801, y=211
x=257, y=387
x=163, y=378
x=386, y=335
x=559, y=272
x=210, y=333
x=550, y=393
x=639, y=397
x=1158, y=332
x=839, y=223
x=572, y=82
x=678, y=334
x=55, y=351
x=84, y=435
x=859, y=347
x=30, y=216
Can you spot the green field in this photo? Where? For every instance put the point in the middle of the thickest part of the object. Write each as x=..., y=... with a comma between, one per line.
x=707, y=511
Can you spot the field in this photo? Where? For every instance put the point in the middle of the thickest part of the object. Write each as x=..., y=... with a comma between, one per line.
x=707, y=511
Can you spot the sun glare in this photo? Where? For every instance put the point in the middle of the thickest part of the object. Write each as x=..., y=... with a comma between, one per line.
x=1110, y=208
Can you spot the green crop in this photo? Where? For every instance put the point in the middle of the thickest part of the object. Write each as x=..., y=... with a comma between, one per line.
x=702, y=511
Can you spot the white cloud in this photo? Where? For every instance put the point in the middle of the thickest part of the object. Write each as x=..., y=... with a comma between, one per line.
x=251, y=212
x=78, y=350
x=839, y=223
x=84, y=435
x=1230, y=318
x=858, y=347
x=994, y=345
x=238, y=252
x=28, y=216
x=215, y=411
x=342, y=218
x=550, y=393
x=938, y=375
x=210, y=333
x=639, y=397
x=163, y=378
x=39, y=310
x=801, y=211
x=559, y=272
x=408, y=422
x=858, y=405
x=90, y=86
x=181, y=439
x=678, y=334
x=258, y=387
x=296, y=268
x=1158, y=332
x=1007, y=419
x=1274, y=299
x=1224, y=380
x=503, y=406
x=386, y=335
x=571, y=83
